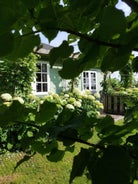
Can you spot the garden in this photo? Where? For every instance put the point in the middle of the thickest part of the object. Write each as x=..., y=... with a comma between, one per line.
x=60, y=125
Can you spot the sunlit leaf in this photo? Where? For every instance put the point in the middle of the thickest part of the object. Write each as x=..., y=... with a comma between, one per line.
x=46, y=112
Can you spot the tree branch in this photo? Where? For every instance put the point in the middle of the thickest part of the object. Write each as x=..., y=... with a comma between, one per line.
x=81, y=141
x=84, y=36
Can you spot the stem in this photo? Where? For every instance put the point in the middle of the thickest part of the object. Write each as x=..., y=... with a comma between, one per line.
x=81, y=141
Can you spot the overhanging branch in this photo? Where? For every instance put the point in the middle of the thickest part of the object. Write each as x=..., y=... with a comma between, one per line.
x=84, y=36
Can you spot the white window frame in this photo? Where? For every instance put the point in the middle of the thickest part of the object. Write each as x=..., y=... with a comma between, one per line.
x=34, y=84
x=89, y=81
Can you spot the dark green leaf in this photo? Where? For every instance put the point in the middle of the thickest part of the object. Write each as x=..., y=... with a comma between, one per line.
x=61, y=52
x=44, y=147
x=56, y=155
x=7, y=43
x=113, y=167
x=16, y=113
x=23, y=46
x=104, y=123
x=68, y=137
x=50, y=34
x=112, y=22
x=111, y=61
x=79, y=163
x=31, y=3
x=7, y=17
x=71, y=69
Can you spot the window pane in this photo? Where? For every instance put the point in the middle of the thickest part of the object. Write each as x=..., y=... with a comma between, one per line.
x=38, y=87
x=44, y=68
x=44, y=87
x=44, y=77
x=89, y=80
x=38, y=77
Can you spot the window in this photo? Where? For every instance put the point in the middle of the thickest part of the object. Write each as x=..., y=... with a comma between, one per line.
x=42, y=79
x=89, y=80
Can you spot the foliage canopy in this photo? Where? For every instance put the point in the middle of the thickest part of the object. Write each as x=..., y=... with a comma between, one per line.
x=105, y=39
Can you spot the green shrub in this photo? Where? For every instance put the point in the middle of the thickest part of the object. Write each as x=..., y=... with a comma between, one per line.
x=62, y=109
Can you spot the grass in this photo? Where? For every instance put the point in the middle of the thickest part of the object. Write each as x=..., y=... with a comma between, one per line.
x=38, y=170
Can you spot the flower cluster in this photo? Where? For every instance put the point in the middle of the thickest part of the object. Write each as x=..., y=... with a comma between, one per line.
x=7, y=99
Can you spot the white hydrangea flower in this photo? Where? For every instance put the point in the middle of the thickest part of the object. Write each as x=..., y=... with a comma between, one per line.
x=97, y=95
x=66, y=95
x=77, y=91
x=72, y=100
x=91, y=97
x=19, y=99
x=101, y=106
x=70, y=106
x=77, y=103
x=6, y=97
x=87, y=92
x=7, y=103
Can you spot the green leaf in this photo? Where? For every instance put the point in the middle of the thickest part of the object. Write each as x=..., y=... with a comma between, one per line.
x=71, y=69
x=68, y=137
x=9, y=146
x=23, y=46
x=113, y=167
x=7, y=43
x=15, y=113
x=44, y=147
x=56, y=155
x=50, y=34
x=61, y=52
x=7, y=17
x=30, y=134
x=31, y=3
x=111, y=61
x=104, y=123
x=79, y=163
x=48, y=20
x=112, y=22
x=46, y=112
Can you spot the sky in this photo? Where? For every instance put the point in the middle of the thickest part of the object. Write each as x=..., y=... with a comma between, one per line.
x=64, y=36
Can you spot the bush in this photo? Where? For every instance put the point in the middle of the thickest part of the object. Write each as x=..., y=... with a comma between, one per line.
x=54, y=109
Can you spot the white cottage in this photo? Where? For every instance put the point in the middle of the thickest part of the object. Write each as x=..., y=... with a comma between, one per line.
x=48, y=79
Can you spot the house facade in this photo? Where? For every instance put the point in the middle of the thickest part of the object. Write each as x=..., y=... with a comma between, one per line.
x=49, y=80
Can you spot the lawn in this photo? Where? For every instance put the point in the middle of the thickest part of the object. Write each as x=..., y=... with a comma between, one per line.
x=38, y=170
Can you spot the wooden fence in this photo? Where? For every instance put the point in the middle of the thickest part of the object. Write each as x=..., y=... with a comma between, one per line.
x=113, y=104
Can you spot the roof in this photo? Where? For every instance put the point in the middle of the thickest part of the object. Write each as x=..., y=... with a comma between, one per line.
x=43, y=49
